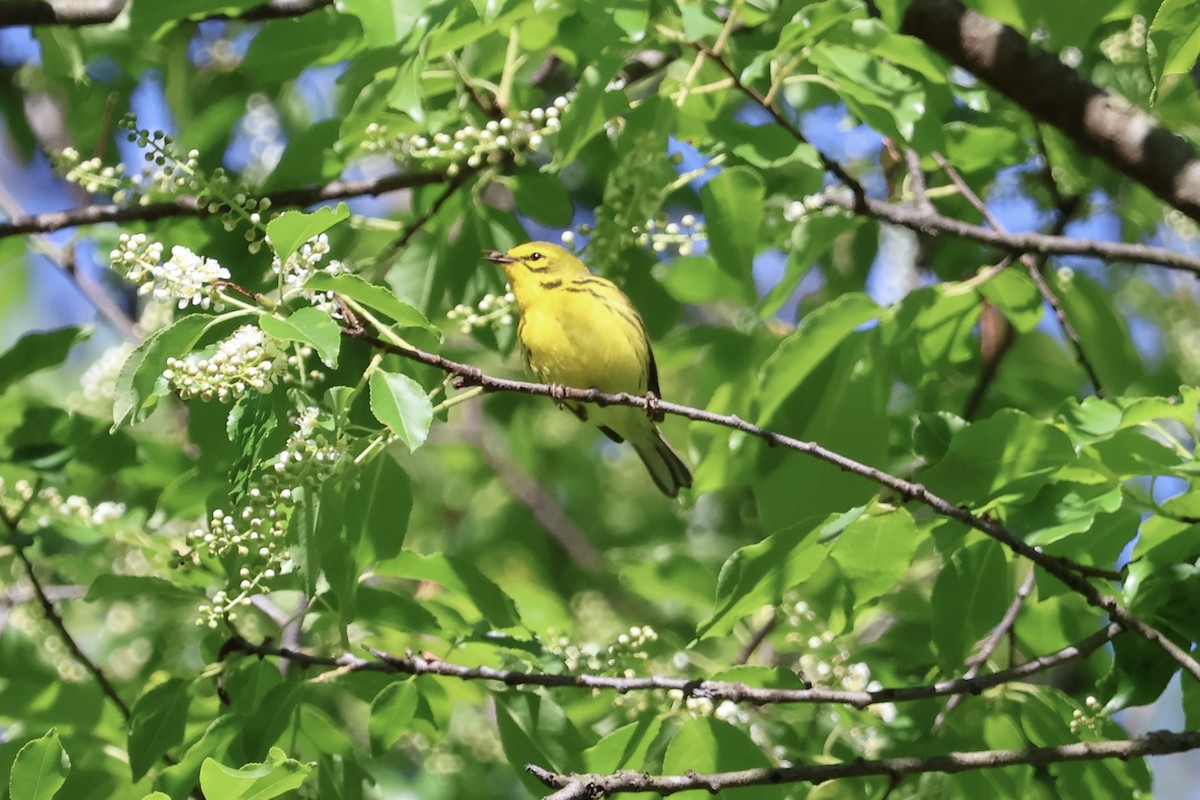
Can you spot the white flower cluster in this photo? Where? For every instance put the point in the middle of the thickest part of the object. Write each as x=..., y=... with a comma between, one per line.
x=659, y=235
x=616, y=658
x=166, y=175
x=248, y=359
x=256, y=534
x=472, y=146
x=186, y=278
x=48, y=505
x=494, y=310
x=296, y=269
x=1092, y=719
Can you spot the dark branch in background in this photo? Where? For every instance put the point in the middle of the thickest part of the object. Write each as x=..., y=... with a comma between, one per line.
x=188, y=206
x=989, y=645
x=595, y=786
x=531, y=494
x=735, y=692
x=411, y=228
x=77, y=13
x=1032, y=266
x=1068, y=572
x=55, y=619
x=1126, y=138
x=756, y=638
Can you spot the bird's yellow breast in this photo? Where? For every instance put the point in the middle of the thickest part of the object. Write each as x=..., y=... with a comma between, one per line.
x=586, y=339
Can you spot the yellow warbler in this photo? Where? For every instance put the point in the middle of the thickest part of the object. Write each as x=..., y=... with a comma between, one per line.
x=580, y=330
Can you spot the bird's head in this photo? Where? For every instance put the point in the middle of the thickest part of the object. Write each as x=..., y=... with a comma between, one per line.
x=537, y=259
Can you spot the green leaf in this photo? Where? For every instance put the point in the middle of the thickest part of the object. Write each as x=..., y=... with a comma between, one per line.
x=458, y=576
x=1101, y=328
x=110, y=586
x=708, y=745
x=285, y=47
x=591, y=107
x=40, y=769
x=310, y=326
x=535, y=730
x=38, y=351
x=875, y=550
x=879, y=94
x=401, y=404
x=698, y=280
x=302, y=529
x=378, y=505
x=624, y=748
x=250, y=424
x=970, y=595
x=1173, y=44
x=759, y=574
x=816, y=337
x=157, y=724
x=392, y=713
x=138, y=386
x=377, y=298
x=543, y=197
x=291, y=229
x=1016, y=296
x=1006, y=456
x=733, y=210
x=262, y=781
x=811, y=240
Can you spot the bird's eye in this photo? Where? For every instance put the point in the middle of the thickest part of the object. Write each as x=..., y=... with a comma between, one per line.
x=536, y=256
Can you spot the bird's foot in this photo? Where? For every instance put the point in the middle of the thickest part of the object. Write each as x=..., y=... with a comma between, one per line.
x=558, y=393
x=652, y=408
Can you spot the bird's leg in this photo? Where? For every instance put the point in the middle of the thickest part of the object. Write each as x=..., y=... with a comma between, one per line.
x=652, y=410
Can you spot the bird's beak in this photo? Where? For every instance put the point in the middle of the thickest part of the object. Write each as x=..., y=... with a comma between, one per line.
x=498, y=257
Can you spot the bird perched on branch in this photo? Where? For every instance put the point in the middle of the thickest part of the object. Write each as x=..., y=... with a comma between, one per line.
x=580, y=330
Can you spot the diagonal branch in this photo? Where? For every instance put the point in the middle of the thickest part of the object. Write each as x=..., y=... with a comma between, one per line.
x=595, y=786
x=735, y=692
x=1070, y=573
x=11, y=523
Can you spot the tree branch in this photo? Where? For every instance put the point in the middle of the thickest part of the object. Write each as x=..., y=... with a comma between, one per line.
x=597, y=786
x=1072, y=574
x=187, y=205
x=933, y=223
x=1126, y=138
x=736, y=692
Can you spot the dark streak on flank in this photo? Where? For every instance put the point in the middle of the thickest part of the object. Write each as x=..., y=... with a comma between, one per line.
x=578, y=290
x=551, y=284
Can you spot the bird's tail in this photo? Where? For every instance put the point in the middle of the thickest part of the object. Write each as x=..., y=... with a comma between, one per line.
x=667, y=469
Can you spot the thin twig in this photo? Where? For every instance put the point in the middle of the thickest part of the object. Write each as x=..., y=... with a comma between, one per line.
x=736, y=692
x=56, y=620
x=933, y=224
x=411, y=229
x=756, y=639
x=596, y=786
x=1072, y=574
x=856, y=188
x=988, y=645
x=1035, y=272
